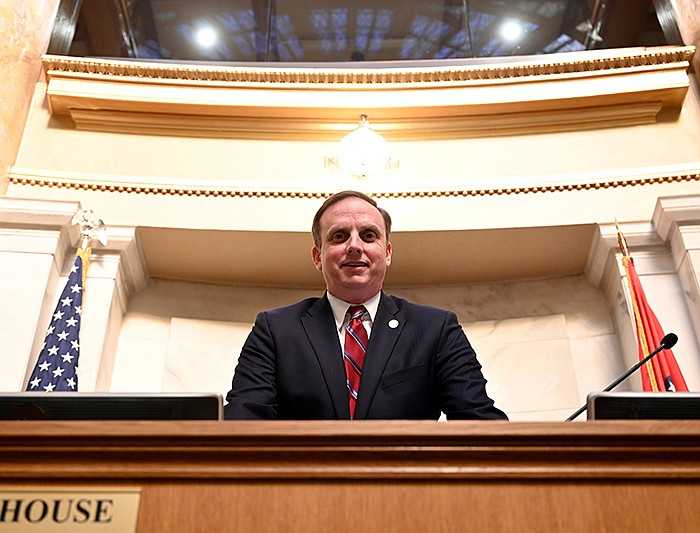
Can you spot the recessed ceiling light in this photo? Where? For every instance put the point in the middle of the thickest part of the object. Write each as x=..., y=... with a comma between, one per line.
x=511, y=30
x=206, y=37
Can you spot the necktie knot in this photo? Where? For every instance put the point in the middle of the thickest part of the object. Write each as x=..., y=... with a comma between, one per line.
x=356, y=311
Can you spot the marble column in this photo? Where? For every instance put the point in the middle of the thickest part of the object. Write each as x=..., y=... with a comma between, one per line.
x=25, y=29
x=116, y=271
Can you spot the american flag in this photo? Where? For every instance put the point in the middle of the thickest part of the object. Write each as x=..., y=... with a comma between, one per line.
x=57, y=365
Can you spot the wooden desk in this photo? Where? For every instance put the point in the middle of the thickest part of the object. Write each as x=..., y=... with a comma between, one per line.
x=374, y=476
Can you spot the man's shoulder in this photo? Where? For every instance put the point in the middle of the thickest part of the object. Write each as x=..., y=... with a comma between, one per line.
x=296, y=309
x=409, y=307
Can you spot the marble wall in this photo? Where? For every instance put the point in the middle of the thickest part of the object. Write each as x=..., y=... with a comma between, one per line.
x=25, y=28
x=688, y=17
x=543, y=344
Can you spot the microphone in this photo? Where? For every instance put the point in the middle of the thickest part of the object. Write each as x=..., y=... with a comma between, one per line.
x=669, y=341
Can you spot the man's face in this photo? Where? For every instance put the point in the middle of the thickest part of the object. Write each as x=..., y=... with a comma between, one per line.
x=354, y=252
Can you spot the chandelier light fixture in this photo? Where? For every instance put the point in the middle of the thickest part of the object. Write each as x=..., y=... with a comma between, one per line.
x=362, y=153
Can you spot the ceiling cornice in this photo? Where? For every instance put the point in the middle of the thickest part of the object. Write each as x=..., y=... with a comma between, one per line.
x=434, y=100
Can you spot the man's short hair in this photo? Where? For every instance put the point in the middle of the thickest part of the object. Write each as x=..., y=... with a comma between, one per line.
x=316, y=225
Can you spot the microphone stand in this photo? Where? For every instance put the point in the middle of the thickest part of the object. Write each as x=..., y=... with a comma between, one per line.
x=664, y=345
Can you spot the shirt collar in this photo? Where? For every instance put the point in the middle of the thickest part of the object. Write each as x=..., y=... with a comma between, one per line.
x=340, y=308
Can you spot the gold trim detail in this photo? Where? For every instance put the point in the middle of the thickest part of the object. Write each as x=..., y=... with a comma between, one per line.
x=443, y=72
x=240, y=193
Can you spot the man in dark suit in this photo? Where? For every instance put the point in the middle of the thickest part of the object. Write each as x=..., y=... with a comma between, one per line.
x=357, y=352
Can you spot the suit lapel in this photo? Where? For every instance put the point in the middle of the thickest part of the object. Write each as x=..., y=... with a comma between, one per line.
x=319, y=325
x=386, y=329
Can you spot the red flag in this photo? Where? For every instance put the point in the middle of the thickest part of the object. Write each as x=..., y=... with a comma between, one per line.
x=661, y=373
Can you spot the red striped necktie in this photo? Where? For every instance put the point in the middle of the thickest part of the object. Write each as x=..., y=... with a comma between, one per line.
x=354, y=355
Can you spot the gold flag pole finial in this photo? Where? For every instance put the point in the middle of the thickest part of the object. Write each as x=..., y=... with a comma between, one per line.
x=91, y=228
x=622, y=241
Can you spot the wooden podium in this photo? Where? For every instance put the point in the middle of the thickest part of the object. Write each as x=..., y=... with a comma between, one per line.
x=374, y=476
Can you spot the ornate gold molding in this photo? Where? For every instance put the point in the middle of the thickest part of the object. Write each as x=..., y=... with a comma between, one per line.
x=422, y=72
x=428, y=100
x=80, y=184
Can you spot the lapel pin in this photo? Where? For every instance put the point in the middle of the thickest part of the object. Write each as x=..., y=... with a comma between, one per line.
x=393, y=323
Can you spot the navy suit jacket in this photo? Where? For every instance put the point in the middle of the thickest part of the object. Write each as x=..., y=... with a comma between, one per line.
x=291, y=367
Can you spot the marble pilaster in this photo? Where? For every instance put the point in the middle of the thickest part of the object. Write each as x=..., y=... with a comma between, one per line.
x=116, y=270
x=34, y=238
x=677, y=220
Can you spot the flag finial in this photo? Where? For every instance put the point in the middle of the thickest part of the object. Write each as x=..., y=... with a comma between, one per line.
x=91, y=227
x=621, y=240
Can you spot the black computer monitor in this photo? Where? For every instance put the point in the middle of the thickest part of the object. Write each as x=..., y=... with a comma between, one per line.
x=644, y=406
x=110, y=406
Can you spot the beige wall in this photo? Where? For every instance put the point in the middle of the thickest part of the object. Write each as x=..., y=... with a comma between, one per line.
x=543, y=160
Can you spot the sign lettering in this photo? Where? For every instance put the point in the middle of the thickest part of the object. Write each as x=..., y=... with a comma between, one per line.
x=53, y=510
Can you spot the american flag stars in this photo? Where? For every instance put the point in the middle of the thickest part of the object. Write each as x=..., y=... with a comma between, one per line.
x=56, y=367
